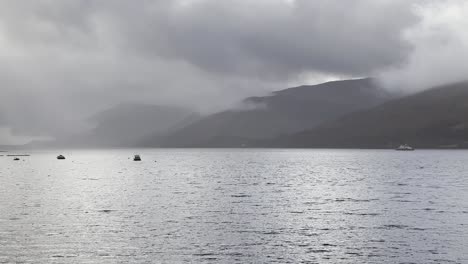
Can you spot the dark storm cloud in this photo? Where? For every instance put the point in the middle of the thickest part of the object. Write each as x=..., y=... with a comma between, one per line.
x=283, y=38
x=64, y=60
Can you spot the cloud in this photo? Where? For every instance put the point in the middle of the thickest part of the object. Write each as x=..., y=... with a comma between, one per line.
x=64, y=60
x=440, y=48
x=288, y=37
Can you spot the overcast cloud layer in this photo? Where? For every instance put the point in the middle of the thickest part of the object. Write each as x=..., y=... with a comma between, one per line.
x=62, y=60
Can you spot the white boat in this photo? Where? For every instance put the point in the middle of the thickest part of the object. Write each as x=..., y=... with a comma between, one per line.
x=404, y=147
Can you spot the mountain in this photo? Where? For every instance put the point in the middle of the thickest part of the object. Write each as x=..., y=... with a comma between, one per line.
x=286, y=111
x=436, y=118
x=124, y=125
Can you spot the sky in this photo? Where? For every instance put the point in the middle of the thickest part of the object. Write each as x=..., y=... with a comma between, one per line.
x=63, y=60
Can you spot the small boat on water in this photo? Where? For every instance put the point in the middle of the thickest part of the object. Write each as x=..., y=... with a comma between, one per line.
x=16, y=159
x=137, y=158
x=404, y=147
x=60, y=157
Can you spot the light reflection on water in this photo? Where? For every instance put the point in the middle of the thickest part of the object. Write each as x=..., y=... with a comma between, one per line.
x=235, y=206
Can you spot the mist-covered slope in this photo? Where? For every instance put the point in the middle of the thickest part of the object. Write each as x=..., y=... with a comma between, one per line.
x=124, y=125
x=436, y=118
x=286, y=111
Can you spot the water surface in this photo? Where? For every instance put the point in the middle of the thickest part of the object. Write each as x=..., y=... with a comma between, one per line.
x=235, y=206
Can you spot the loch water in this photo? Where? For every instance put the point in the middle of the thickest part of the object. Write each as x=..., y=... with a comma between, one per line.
x=235, y=206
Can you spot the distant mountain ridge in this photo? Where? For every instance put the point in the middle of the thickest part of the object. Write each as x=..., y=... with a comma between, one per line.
x=283, y=112
x=340, y=114
x=435, y=118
